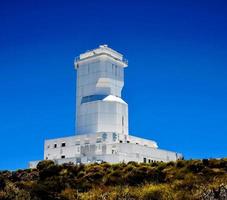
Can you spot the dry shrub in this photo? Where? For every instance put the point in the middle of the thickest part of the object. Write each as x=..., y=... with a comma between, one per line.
x=156, y=192
x=70, y=194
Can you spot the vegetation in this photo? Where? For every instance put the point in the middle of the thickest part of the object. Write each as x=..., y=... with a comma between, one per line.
x=184, y=179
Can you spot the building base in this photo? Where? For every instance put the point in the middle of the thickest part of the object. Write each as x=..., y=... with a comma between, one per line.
x=99, y=148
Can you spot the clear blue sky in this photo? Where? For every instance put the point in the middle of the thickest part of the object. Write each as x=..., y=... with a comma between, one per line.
x=176, y=82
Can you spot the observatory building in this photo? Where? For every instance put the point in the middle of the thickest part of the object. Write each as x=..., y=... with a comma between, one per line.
x=102, y=117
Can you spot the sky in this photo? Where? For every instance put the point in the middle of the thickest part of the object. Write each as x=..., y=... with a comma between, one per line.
x=175, y=84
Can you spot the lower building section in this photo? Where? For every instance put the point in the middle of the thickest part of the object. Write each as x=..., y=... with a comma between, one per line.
x=104, y=147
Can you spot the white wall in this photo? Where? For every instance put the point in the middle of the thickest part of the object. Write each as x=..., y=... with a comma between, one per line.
x=100, y=75
x=93, y=145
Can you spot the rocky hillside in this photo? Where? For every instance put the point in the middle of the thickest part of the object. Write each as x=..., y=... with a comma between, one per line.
x=189, y=179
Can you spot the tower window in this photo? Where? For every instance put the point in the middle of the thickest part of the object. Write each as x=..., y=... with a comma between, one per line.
x=104, y=136
x=62, y=156
x=55, y=145
x=63, y=144
x=114, y=137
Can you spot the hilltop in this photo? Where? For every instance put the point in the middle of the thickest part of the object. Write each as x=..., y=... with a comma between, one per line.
x=184, y=179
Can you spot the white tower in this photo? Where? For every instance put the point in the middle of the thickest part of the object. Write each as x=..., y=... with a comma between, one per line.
x=102, y=117
x=100, y=79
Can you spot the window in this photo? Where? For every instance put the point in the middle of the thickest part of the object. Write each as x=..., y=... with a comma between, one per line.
x=120, y=141
x=63, y=144
x=122, y=122
x=99, y=140
x=104, y=136
x=48, y=146
x=55, y=145
x=91, y=98
x=128, y=141
x=99, y=147
x=144, y=160
x=114, y=137
x=62, y=156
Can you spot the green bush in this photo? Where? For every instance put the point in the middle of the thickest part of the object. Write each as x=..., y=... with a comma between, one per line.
x=114, y=178
x=135, y=176
x=195, y=166
x=49, y=171
x=44, y=164
x=173, y=180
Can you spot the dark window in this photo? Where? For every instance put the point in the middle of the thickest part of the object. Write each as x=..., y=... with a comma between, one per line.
x=63, y=156
x=104, y=136
x=120, y=141
x=63, y=144
x=91, y=98
x=114, y=137
x=144, y=160
x=128, y=141
x=98, y=140
x=55, y=145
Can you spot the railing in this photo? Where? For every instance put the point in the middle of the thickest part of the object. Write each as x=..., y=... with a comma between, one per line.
x=124, y=60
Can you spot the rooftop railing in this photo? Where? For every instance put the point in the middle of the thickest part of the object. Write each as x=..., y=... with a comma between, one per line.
x=124, y=60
